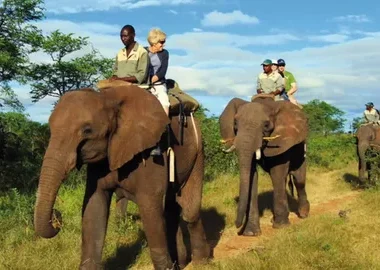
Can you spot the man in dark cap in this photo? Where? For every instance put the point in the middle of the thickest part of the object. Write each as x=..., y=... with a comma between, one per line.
x=290, y=81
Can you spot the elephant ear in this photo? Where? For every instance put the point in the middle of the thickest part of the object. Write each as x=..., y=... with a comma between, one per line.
x=140, y=123
x=227, y=120
x=290, y=128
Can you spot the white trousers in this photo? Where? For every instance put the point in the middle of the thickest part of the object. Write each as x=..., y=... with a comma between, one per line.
x=160, y=92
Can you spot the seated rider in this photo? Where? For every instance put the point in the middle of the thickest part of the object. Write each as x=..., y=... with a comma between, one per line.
x=132, y=61
x=159, y=60
x=289, y=81
x=371, y=115
x=269, y=82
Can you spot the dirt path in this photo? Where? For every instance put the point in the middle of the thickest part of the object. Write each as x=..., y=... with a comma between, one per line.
x=327, y=193
x=232, y=245
x=324, y=195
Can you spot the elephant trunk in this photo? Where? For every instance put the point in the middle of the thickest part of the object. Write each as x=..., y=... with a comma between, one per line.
x=227, y=122
x=246, y=152
x=46, y=219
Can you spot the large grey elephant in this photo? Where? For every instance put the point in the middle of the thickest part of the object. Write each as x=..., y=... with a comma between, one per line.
x=367, y=136
x=113, y=131
x=271, y=134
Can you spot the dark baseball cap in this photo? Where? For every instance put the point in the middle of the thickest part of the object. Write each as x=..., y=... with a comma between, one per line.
x=369, y=104
x=281, y=62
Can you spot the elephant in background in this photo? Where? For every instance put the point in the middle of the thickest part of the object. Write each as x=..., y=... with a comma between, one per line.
x=246, y=127
x=367, y=136
x=113, y=131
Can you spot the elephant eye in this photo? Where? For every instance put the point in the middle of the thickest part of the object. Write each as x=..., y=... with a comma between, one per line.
x=267, y=125
x=87, y=130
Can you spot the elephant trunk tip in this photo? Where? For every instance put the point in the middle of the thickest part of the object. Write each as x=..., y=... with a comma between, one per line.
x=52, y=228
x=238, y=222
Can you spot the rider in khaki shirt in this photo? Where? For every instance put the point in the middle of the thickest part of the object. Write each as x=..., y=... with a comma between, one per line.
x=132, y=61
x=269, y=82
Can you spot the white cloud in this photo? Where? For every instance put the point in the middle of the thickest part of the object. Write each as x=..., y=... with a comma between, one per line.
x=352, y=18
x=216, y=18
x=74, y=6
x=173, y=11
x=227, y=64
x=331, y=38
x=197, y=29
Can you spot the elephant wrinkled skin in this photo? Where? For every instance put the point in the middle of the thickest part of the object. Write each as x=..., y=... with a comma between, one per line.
x=244, y=126
x=367, y=136
x=113, y=131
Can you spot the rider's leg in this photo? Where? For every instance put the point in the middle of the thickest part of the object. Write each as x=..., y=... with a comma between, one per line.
x=160, y=92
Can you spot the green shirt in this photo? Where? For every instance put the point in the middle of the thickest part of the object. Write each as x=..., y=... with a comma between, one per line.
x=289, y=79
x=135, y=64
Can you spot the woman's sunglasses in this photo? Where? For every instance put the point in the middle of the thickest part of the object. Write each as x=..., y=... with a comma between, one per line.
x=162, y=42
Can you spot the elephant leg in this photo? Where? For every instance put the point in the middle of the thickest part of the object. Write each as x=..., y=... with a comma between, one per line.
x=152, y=217
x=252, y=227
x=190, y=201
x=300, y=182
x=362, y=148
x=94, y=225
x=278, y=175
x=121, y=208
x=181, y=249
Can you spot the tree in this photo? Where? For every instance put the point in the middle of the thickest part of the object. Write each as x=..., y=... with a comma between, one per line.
x=18, y=38
x=356, y=122
x=324, y=118
x=63, y=73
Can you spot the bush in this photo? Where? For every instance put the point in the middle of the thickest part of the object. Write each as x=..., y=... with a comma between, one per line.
x=331, y=152
x=373, y=161
x=22, y=146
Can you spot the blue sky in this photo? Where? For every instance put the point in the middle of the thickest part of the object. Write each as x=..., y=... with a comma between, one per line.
x=216, y=47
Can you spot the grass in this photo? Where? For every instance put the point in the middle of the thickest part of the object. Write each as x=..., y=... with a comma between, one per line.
x=323, y=241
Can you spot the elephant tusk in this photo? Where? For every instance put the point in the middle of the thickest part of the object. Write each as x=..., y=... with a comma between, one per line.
x=226, y=140
x=229, y=150
x=271, y=138
x=258, y=154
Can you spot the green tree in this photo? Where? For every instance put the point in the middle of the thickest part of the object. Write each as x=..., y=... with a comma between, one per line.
x=324, y=118
x=22, y=146
x=63, y=73
x=18, y=38
x=356, y=122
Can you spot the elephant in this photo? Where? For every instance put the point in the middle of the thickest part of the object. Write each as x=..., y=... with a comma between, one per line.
x=271, y=134
x=368, y=135
x=113, y=132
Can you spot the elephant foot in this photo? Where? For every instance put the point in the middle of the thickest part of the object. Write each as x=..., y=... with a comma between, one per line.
x=303, y=210
x=250, y=230
x=280, y=224
x=90, y=264
x=202, y=255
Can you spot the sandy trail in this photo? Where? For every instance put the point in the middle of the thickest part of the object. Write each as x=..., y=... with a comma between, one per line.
x=327, y=193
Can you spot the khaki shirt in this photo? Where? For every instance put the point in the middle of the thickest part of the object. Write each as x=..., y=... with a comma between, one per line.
x=371, y=116
x=270, y=83
x=136, y=64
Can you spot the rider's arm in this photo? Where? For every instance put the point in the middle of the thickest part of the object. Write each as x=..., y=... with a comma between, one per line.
x=293, y=85
x=258, y=87
x=279, y=84
x=161, y=72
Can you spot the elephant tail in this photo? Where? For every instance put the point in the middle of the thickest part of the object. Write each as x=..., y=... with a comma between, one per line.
x=291, y=185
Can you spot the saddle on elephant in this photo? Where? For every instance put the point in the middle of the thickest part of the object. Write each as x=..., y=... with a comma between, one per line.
x=271, y=96
x=180, y=102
